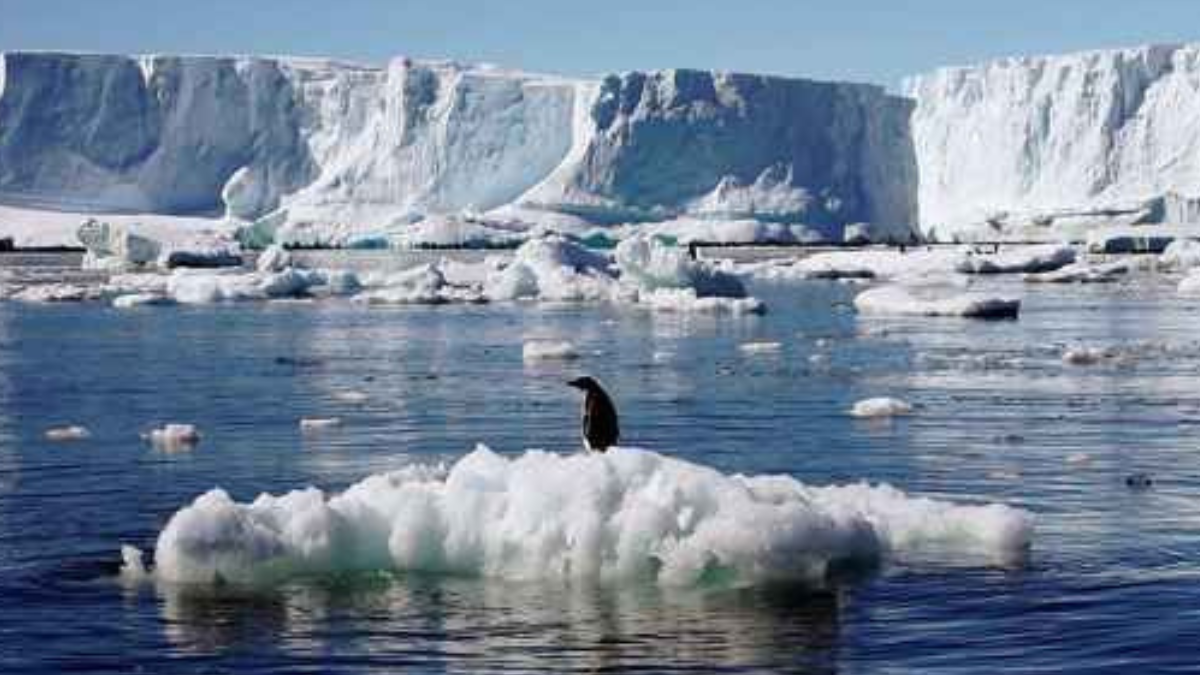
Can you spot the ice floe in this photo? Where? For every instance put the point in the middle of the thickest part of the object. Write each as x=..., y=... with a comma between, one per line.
x=1083, y=273
x=1017, y=259
x=899, y=300
x=623, y=515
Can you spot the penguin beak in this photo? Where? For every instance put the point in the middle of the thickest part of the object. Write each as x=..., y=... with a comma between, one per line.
x=577, y=383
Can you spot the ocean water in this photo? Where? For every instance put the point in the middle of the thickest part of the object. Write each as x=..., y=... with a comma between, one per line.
x=1111, y=584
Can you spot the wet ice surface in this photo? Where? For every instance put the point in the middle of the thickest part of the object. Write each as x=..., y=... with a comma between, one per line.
x=1111, y=584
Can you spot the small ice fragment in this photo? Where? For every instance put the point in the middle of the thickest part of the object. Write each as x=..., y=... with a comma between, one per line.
x=131, y=300
x=1078, y=458
x=1085, y=356
x=74, y=432
x=546, y=350
x=172, y=436
x=319, y=423
x=351, y=396
x=760, y=347
x=132, y=566
x=883, y=406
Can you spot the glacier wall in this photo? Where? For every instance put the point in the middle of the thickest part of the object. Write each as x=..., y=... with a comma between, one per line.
x=337, y=145
x=1046, y=144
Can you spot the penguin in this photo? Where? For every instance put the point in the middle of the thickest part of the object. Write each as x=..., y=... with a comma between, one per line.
x=600, y=429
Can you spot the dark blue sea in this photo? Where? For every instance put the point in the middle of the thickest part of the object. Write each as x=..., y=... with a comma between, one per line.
x=1111, y=584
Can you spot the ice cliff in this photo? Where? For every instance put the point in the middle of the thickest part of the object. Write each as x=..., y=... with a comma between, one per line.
x=334, y=148
x=1059, y=144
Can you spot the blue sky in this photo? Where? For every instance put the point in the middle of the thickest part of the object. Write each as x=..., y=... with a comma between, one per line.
x=858, y=40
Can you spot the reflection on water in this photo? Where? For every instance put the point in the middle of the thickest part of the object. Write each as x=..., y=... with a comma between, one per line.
x=470, y=626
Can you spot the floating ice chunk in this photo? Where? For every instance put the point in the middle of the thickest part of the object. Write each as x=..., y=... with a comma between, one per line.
x=549, y=350
x=73, y=432
x=56, y=292
x=131, y=284
x=132, y=300
x=291, y=282
x=1031, y=259
x=865, y=264
x=201, y=252
x=133, y=566
x=311, y=424
x=650, y=264
x=1181, y=254
x=760, y=347
x=174, y=436
x=1083, y=273
x=197, y=287
x=622, y=515
x=421, y=285
x=553, y=268
x=274, y=258
x=115, y=248
x=903, y=301
x=351, y=396
x=881, y=407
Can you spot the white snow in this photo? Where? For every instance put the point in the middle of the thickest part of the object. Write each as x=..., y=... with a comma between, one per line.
x=899, y=300
x=627, y=515
x=880, y=407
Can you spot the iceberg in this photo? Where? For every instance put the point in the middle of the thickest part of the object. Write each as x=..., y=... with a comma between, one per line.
x=1050, y=146
x=627, y=515
x=320, y=152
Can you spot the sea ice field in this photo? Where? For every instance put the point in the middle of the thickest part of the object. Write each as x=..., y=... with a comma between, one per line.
x=826, y=484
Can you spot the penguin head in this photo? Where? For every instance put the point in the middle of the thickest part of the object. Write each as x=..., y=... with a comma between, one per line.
x=585, y=383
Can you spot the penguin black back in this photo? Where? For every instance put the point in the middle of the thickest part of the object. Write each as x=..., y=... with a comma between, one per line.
x=600, y=428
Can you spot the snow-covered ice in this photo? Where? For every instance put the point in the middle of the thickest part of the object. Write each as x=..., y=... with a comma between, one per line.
x=1046, y=146
x=899, y=300
x=624, y=515
x=317, y=152
x=1083, y=273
